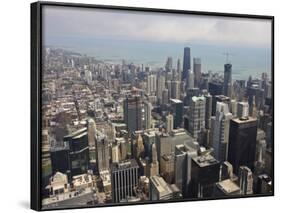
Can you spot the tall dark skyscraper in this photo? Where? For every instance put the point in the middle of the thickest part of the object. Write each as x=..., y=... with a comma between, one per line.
x=242, y=142
x=227, y=82
x=215, y=88
x=208, y=110
x=186, y=62
x=133, y=113
x=177, y=109
x=205, y=171
x=78, y=151
x=124, y=178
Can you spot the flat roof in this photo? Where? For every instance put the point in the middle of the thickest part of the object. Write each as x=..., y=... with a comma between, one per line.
x=80, y=135
x=228, y=186
x=249, y=119
x=205, y=160
x=79, y=131
x=198, y=98
x=175, y=100
x=161, y=185
x=126, y=164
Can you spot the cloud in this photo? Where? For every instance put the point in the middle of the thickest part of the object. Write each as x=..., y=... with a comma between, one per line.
x=100, y=23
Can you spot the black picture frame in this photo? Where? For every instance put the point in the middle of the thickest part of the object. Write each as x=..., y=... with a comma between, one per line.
x=36, y=75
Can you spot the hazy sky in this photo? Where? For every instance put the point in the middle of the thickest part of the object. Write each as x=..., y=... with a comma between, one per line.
x=67, y=22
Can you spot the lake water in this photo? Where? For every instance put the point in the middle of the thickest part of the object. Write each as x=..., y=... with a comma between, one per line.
x=245, y=60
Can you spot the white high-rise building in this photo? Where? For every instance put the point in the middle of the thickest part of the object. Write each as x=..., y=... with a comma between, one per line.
x=92, y=129
x=245, y=180
x=147, y=115
x=151, y=84
x=221, y=131
x=233, y=107
x=169, y=123
x=154, y=166
x=243, y=110
x=197, y=115
x=160, y=87
x=115, y=154
x=88, y=76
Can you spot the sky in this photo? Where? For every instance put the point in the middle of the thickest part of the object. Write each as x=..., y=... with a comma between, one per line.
x=84, y=23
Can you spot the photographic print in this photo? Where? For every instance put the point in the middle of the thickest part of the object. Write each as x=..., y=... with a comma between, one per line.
x=145, y=106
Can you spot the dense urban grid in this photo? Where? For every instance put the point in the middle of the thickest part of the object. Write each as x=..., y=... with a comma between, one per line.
x=127, y=133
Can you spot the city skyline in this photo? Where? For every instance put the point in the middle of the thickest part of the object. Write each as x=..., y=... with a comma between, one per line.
x=107, y=42
x=120, y=131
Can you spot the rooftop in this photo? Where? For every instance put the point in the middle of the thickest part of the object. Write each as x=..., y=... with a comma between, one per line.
x=80, y=135
x=79, y=131
x=228, y=186
x=199, y=98
x=131, y=163
x=244, y=120
x=161, y=185
x=175, y=100
x=205, y=160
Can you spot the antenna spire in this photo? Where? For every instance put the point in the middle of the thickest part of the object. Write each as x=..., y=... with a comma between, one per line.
x=227, y=54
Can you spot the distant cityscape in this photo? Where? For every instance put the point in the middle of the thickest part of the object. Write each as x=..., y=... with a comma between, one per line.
x=128, y=133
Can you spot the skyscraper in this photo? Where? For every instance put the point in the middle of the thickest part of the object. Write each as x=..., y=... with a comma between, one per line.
x=204, y=174
x=78, y=151
x=186, y=62
x=124, y=178
x=219, y=98
x=161, y=190
x=233, y=107
x=165, y=96
x=227, y=82
x=221, y=132
x=197, y=116
x=175, y=89
x=177, y=109
x=183, y=160
x=264, y=184
x=242, y=110
x=123, y=149
x=115, y=153
x=91, y=132
x=179, y=70
x=245, y=180
x=169, y=123
x=190, y=79
x=102, y=152
x=160, y=87
x=208, y=110
x=197, y=71
x=147, y=115
x=169, y=64
x=139, y=147
x=133, y=113
x=242, y=142
x=154, y=165
x=149, y=138
x=215, y=88
x=151, y=84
